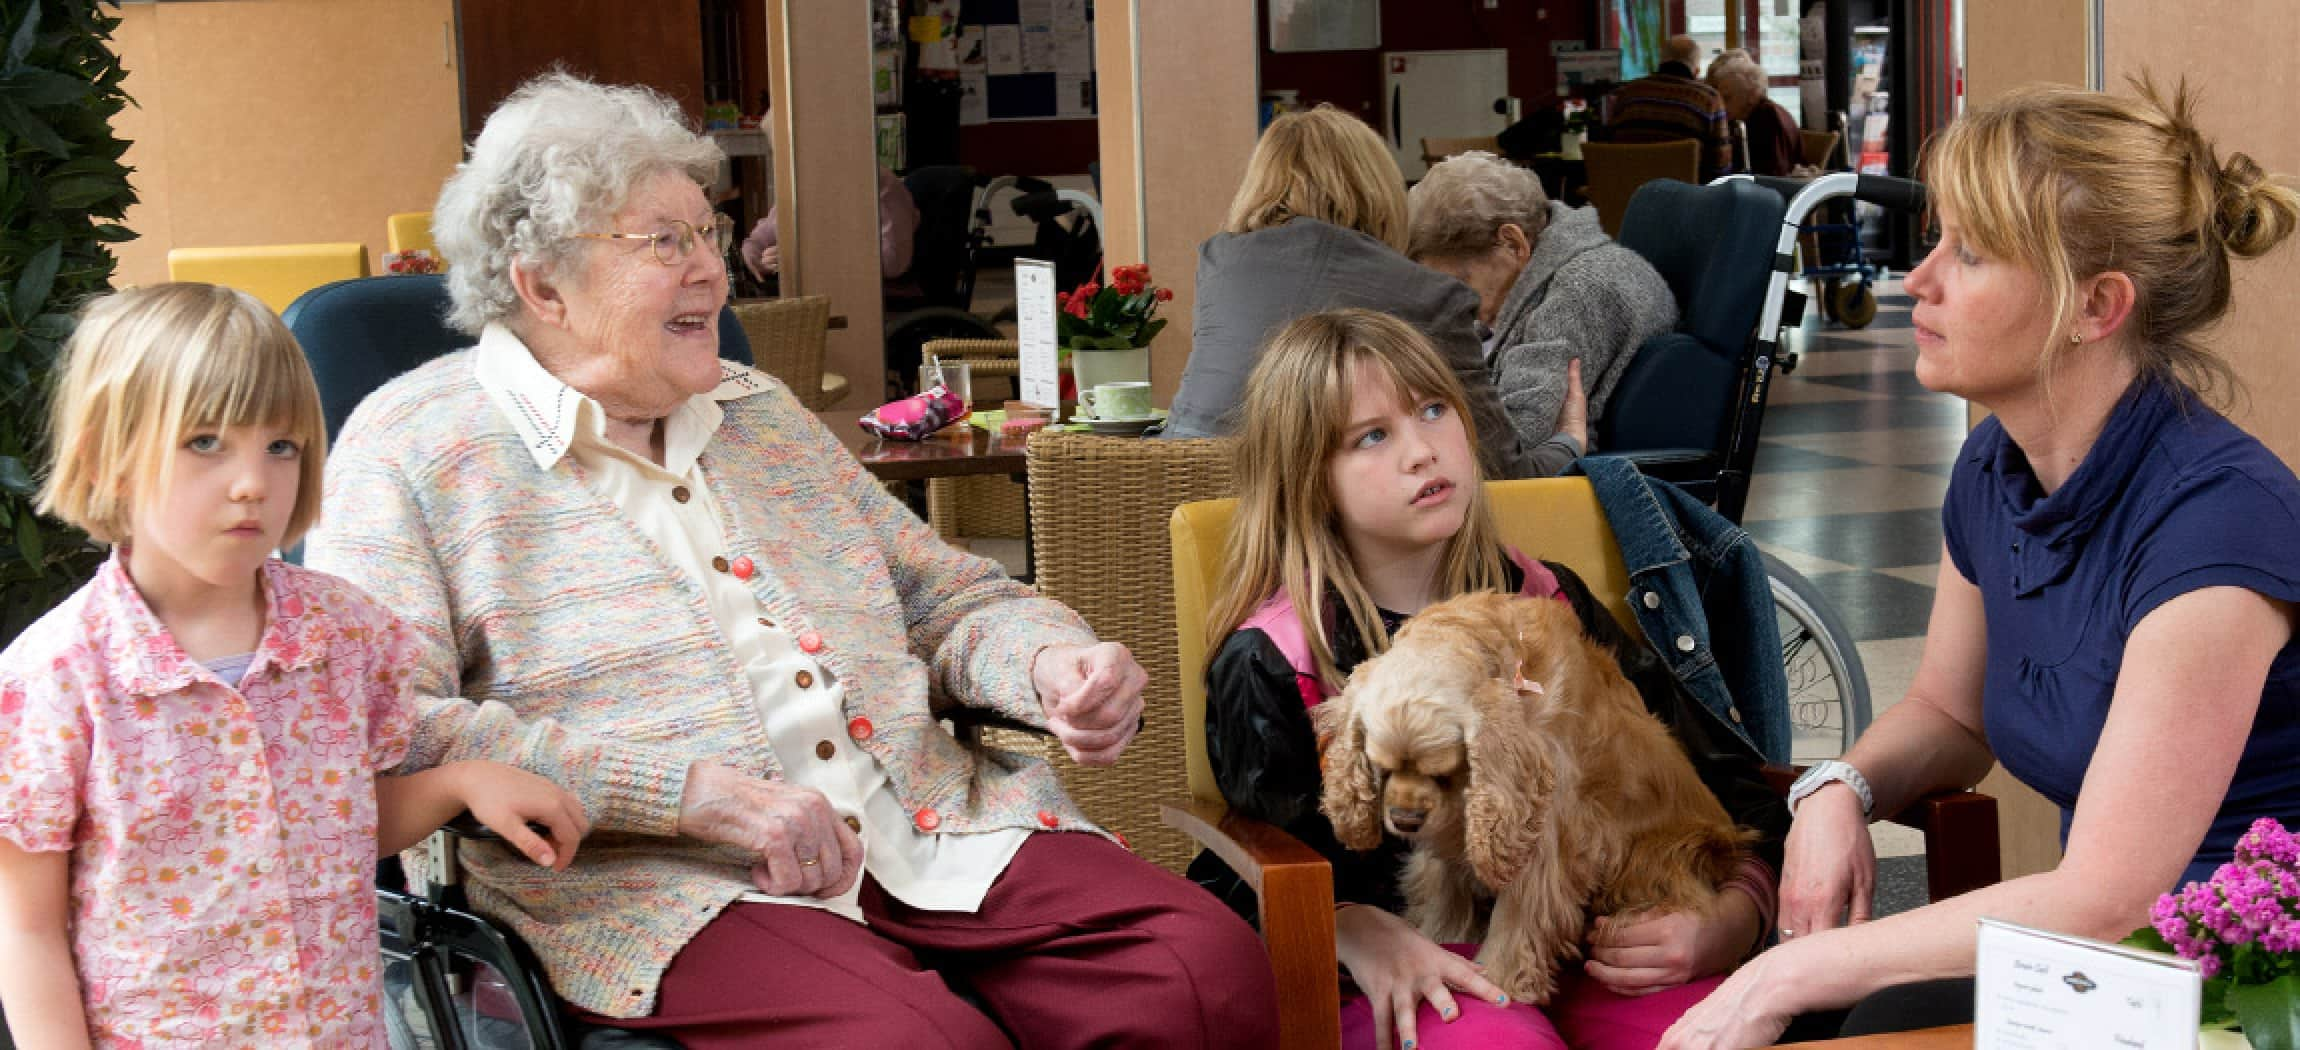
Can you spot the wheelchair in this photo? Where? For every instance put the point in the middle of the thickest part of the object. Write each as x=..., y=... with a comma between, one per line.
x=1689, y=407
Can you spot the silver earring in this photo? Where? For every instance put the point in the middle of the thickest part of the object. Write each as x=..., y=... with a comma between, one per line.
x=2075, y=338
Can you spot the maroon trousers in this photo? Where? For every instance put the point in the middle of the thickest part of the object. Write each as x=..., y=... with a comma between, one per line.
x=1078, y=944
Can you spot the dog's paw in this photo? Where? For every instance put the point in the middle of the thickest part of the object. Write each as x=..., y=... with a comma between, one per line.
x=1525, y=981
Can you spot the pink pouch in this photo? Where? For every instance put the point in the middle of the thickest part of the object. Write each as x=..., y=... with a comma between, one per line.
x=914, y=418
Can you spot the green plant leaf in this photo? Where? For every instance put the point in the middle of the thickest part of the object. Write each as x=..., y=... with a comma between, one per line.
x=1150, y=331
x=14, y=477
x=37, y=280
x=2270, y=1013
x=24, y=125
x=29, y=544
x=41, y=88
x=77, y=192
x=114, y=233
x=20, y=44
x=2148, y=940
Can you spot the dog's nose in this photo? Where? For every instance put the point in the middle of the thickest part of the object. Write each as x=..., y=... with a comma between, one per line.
x=1408, y=821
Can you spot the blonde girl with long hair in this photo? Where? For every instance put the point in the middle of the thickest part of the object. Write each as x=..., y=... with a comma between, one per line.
x=1361, y=503
x=195, y=747
x=1320, y=223
x=2113, y=621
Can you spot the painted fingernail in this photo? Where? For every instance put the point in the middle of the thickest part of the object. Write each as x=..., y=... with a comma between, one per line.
x=1449, y=1012
x=1409, y=1044
x=1501, y=1000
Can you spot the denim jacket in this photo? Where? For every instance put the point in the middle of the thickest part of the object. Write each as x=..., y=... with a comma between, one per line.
x=1700, y=592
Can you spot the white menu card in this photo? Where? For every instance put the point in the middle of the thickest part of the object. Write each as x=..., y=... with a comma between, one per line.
x=1041, y=379
x=2048, y=991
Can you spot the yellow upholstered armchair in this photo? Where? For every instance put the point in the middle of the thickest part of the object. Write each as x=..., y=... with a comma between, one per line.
x=1557, y=519
x=273, y=273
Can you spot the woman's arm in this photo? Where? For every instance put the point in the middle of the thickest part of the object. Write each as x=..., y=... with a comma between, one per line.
x=39, y=987
x=2186, y=694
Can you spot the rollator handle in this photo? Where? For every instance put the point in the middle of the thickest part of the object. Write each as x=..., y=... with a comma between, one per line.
x=1885, y=191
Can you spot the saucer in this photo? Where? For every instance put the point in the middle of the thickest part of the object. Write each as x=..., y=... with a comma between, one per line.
x=1122, y=427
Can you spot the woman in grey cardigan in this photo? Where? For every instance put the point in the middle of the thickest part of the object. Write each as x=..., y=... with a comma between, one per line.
x=1552, y=289
x=1320, y=223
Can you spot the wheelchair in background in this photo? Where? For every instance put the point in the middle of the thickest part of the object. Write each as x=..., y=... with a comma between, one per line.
x=1689, y=407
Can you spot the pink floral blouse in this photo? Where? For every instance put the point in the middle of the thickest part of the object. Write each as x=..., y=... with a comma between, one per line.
x=223, y=839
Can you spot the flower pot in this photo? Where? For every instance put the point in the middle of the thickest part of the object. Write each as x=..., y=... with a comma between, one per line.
x=1569, y=144
x=1095, y=367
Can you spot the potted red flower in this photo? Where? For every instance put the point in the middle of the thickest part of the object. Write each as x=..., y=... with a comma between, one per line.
x=1105, y=330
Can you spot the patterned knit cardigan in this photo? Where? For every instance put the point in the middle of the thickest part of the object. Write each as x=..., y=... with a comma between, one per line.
x=555, y=636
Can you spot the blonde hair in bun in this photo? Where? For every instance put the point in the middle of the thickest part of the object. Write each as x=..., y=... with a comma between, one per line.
x=2072, y=184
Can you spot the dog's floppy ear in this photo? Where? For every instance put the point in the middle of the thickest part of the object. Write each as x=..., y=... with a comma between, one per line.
x=1512, y=781
x=1352, y=798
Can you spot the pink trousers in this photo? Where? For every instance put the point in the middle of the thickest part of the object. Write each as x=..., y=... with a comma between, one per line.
x=1584, y=1016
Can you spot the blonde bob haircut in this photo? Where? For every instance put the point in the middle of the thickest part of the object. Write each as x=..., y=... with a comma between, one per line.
x=1326, y=165
x=147, y=368
x=1285, y=536
x=2071, y=184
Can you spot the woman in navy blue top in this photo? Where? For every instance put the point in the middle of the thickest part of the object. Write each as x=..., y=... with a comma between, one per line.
x=2114, y=619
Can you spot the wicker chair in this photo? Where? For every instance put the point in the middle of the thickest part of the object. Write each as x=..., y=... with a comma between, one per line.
x=985, y=505
x=788, y=339
x=1819, y=149
x=1617, y=169
x=1556, y=518
x=1098, y=511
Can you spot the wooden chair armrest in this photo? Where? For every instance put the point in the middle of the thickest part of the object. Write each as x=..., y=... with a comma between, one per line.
x=1295, y=887
x=1962, y=851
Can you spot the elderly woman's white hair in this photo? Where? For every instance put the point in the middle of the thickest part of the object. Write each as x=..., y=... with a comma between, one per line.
x=1737, y=68
x=1458, y=209
x=559, y=157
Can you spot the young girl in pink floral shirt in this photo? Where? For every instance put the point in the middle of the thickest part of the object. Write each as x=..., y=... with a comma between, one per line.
x=190, y=746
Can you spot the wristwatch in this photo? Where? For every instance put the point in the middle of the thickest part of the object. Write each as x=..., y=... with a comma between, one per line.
x=1829, y=772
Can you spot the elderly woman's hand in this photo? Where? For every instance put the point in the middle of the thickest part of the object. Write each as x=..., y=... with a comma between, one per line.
x=803, y=848
x=1093, y=698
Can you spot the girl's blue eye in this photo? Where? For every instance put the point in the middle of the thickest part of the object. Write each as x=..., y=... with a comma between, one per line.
x=284, y=448
x=1433, y=411
x=1370, y=438
x=203, y=443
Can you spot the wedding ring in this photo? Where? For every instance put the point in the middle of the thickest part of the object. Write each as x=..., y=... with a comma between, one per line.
x=807, y=862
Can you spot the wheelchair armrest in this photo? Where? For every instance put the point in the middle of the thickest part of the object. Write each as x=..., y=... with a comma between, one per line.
x=1294, y=885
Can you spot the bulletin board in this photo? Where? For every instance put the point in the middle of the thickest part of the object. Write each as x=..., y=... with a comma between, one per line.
x=1026, y=60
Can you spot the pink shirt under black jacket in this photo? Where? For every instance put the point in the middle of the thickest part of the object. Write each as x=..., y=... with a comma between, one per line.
x=553, y=634
x=222, y=833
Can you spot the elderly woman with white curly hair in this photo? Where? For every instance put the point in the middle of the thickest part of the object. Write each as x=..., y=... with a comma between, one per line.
x=1767, y=139
x=1564, y=308
x=656, y=579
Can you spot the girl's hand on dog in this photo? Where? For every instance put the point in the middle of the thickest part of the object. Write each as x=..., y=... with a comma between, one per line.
x=1642, y=954
x=1397, y=968
x=1829, y=876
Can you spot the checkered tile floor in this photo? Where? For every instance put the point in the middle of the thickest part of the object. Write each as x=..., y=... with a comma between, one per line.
x=1850, y=472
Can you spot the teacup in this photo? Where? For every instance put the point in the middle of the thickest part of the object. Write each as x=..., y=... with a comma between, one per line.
x=1119, y=400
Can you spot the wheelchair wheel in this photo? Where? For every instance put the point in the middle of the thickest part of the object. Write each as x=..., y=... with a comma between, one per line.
x=1854, y=303
x=1828, y=689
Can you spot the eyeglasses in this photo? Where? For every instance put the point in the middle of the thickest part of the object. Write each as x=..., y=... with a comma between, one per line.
x=676, y=238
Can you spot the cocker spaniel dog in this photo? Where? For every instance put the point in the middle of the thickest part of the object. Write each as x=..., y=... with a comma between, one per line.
x=1537, y=791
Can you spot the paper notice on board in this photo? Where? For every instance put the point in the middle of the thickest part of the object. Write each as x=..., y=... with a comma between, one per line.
x=970, y=49
x=1035, y=12
x=1073, y=53
x=973, y=96
x=1002, y=47
x=1037, y=49
x=1073, y=96
x=1069, y=15
x=2035, y=990
x=1040, y=365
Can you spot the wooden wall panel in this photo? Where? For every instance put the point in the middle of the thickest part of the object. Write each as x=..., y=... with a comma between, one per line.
x=1177, y=124
x=657, y=43
x=826, y=176
x=284, y=121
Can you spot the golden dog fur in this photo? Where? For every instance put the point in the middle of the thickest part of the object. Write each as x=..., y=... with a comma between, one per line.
x=1531, y=807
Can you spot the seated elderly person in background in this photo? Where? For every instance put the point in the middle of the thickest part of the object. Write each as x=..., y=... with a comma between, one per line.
x=1318, y=224
x=1765, y=132
x=1566, y=307
x=654, y=578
